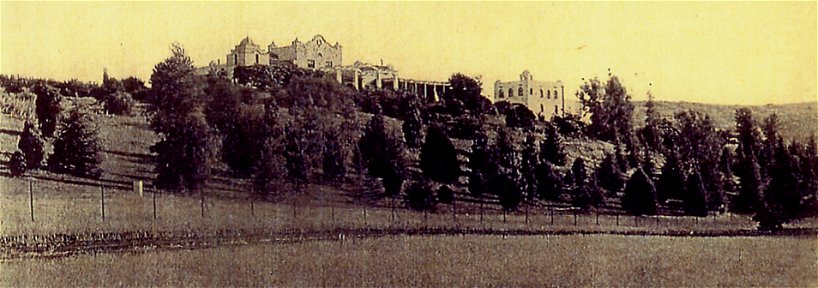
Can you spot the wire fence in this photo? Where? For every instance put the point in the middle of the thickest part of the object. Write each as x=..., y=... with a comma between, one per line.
x=118, y=210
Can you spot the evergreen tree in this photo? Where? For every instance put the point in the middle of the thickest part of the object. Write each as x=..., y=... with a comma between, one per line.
x=176, y=111
x=382, y=155
x=581, y=195
x=551, y=148
x=77, y=149
x=781, y=198
x=726, y=167
x=47, y=108
x=650, y=133
x=695, y=200
x=549, y=182
x=438, y=157
x=506, y=155
x=31, y=146
x=481, y=166
x=529, y=166
x=750, y=185
x=609, y=175
x=17, y=164
x=671, y=184
x=295, y=153
x=509, y=191
x=269, y=167
x=640, y=195
x=419, y=195
x=413, y=129
x=333, y=156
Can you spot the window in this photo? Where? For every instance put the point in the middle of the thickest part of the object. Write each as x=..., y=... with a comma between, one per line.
x=500, y=95
x=310, y=63
x=549, y=94
x=542, y=109
x=555, y=109
x=530, y=91
x=541, y=94
x=520, y=92
x=510, y=92
x=256, y=58
x=235, y=59
x=555, y=94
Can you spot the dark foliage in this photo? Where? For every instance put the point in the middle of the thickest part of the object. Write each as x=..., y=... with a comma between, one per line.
x=481, y=165
x=671, y=184
x=551, y=149
x=47, y=108
x=640, y=195
x=609, y=176
x=438, y=157
x=76, y=149
x=31, y=145
x=519, y=116
x=334, y=156
x=508, y=189
x=610, y=109
x=413, y=129
x=17, y=164
x=465, y=91
x=445, y=194
x=419, y=195
x=695, y=198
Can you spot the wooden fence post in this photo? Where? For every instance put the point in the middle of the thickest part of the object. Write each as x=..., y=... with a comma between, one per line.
x=31, y=198
x=154, y=202
x=552, y=215
x=102, y=200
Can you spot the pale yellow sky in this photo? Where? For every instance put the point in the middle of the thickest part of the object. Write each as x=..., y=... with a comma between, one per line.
x=730, y=53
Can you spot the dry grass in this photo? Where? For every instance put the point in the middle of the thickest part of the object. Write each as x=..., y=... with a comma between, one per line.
x=446, y=261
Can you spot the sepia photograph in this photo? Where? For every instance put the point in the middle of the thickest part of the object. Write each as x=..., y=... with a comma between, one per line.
x=408, y=144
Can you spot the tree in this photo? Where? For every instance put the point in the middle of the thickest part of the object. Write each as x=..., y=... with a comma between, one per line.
x=270, y=165
x=419, y=195
x=519, y=116
x=438, y=157
x=610, y=109
x=382, y=155
x=695, y=200
x=549, y=182
x=747, y=169
x=481, y=165
x=413, y=129
x=781, y=200
x=295, y=155
x=119, y=103
x=671, y=184
x=445, y=194
x=609, y=175
x=650, y=133
x=581, y=196
x=77, y=149
x=508, y=190
x=176, y=114
x=17, y=164
x=466, y=90
x=551, y=148
x=529, y=164
x=31, y=146
x=334, y=156
x=640, y=195
x=47, y=108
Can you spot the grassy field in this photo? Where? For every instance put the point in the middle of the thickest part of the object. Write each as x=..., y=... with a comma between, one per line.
x=446, y=261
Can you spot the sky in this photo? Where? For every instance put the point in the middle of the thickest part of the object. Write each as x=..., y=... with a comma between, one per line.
x=722, y=53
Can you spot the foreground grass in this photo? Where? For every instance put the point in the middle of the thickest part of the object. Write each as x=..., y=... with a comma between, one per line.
x=533, y=261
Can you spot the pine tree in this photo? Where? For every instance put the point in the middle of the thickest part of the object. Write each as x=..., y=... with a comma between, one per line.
x=438, y=157
x=640, y=195
x=549, y=182
x=581, y=193
x=383, y=155
x=750, y=185
x=551, y=148
x=413, y=129
x=650, y=133
x=609, y=175
x=695, y=198
x=671, y=184
x=529, y=166
x=76, y=149
x=17, y=164
x=481, y=167
x=47, y=108
x=31, y=146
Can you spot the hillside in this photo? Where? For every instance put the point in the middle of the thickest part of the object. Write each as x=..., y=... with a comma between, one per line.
x=797, y=121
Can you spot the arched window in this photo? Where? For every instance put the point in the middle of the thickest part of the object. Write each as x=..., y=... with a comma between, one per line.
x=556, y=95
x=501, y=93
x=510, y=92
x=549, y=94
x=235, y=59
x=256, y=58
x=555, y=109
x=541, y=94
x=542, y=109
x=520, y=91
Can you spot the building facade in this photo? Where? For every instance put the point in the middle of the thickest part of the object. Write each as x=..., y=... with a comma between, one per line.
x=544, y=98
x=314, y=54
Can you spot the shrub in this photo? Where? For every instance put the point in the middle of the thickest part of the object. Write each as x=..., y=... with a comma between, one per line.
x=438, y=157
x=119, y=103
x=31, y=146
x=445, y=194
x=419, y=195
x=17, y=164
x=640, y=195
x=47, y=107
x=77, y=148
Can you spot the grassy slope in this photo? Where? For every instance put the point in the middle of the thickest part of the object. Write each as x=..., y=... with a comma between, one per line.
x=798, y=121
x=446, y=261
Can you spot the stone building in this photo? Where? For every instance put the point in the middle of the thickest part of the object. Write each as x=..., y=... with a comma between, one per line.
x=314, y=54
x=247, y=53
x=544, y=98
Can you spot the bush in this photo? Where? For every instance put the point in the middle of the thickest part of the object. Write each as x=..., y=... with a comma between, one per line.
x=31, y=146
x=47, y=108
x=445, y=194
x=520, y=117
x=119, y=103
x=77, y=148
x=640, y=195
x=438, y=157
x=419, y=195
x=509, y=191
x=17, y=164
x=464, y=127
